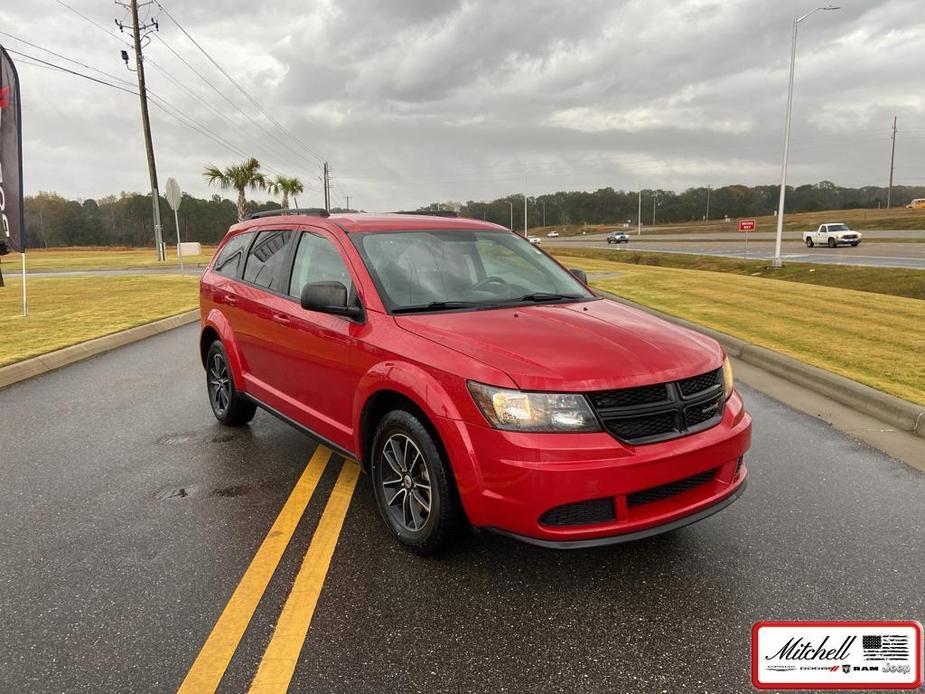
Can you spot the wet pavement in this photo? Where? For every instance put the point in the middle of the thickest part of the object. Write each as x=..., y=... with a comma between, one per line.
x=130, y=517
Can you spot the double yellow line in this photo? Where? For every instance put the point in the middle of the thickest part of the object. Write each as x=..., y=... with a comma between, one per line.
x=279, y=659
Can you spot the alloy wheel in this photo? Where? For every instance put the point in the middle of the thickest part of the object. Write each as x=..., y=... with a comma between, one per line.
x=405, y=481
x=219, y=384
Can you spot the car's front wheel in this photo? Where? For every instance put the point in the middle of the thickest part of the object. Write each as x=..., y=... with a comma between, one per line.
x=413, y=484
x=228, y=405
x=809, y=243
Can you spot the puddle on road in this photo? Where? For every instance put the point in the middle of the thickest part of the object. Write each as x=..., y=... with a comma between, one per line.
x=174, y=493
x=182, y=438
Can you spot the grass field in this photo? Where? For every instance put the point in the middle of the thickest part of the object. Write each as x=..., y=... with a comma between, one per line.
x=98, y=258
x=871, y=338
x=881, y=280
x=896, y=218
x=67, y=310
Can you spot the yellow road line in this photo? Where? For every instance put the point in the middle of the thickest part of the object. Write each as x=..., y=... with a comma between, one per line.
x=216, y=653
x=282, y=654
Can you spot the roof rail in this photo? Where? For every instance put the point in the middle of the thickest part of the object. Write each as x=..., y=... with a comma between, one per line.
x=432, y=213
x=308, y=211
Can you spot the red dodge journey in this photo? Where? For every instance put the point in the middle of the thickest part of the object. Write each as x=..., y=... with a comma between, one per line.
x=472, y=377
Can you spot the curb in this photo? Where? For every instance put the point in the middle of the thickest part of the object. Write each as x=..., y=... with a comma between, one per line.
x=20, y=371
x=901, y=414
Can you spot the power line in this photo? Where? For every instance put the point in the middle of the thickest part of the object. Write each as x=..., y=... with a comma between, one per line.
x=238, y=86
x=72, y=72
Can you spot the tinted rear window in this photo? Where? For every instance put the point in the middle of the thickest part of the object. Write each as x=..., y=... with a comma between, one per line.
x=230, y=259
x=266, y=261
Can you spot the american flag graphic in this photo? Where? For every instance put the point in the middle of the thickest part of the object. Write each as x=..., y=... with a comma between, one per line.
x=885, y=647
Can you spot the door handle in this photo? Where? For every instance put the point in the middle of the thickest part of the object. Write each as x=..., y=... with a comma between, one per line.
x=282, y=318
x=231, y=299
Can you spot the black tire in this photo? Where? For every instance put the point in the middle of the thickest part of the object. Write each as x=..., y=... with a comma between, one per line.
x=855, y=245
x=832, y=243
x=809, y=242
x=229, y=406
x=405, y=458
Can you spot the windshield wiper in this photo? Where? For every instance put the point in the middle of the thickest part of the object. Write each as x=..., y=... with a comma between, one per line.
x=436, y=306
x=544, y=296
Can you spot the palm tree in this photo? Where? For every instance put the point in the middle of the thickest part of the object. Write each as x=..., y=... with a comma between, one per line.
x=287, y=186
x=240, y=177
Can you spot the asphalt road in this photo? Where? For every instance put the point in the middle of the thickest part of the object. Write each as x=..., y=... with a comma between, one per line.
x=885, y=254
x=130, y=517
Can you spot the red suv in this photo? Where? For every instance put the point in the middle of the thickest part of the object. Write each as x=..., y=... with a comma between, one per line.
x=472, y=376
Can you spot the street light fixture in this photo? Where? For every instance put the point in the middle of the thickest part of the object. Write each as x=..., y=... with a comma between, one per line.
x=776, y=260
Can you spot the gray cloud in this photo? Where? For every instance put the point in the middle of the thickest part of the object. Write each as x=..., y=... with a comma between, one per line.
x=416, y=101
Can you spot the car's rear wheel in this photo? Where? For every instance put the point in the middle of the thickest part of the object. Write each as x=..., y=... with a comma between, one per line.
x=809, y=243
x=228, y=405
x=832, y=243
x=413, y=484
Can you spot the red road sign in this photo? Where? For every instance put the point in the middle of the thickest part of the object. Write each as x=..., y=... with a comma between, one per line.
x=746, y=225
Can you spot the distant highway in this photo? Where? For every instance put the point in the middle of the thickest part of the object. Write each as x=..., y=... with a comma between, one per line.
x=881, y=254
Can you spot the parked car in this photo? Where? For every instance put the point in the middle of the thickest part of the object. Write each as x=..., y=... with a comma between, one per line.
x=917, y=204
x=535, y=240
x=472, y=377
x=552, y=234
x=832, y=234
x=618, y=237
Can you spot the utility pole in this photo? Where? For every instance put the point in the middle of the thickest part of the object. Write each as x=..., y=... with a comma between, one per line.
x=889, y=194
x=544, y=214
x=348, y=201
x=707, y=217
x=327, y=188
x=639, y=215
x=140, y=32
x=654, y=199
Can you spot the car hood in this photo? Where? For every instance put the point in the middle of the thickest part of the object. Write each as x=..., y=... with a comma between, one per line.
x=593, y=345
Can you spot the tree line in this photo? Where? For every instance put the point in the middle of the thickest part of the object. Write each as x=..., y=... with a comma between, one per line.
x=125, y=220
x=609, y=206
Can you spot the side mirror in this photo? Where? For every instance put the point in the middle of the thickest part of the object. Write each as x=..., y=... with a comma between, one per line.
x=329, y=297
x=581, y=275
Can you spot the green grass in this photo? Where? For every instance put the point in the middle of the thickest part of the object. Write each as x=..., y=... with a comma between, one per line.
x=67, y=310
x=871, y=338
x=99, y=258
x=903, y=282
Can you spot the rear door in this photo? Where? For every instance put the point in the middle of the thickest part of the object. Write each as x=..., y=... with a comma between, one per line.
x=259, y=328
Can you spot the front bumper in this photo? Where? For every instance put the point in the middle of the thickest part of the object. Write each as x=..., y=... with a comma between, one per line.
x=510, y=480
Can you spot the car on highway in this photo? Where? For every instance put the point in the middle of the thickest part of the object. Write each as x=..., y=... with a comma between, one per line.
x=917, y=204
x=552, y=234
x=474, y=378
x=618, y=237
x=535, y=240
x=832, y=234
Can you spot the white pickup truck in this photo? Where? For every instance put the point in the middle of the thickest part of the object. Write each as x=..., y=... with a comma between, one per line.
x=832, y=235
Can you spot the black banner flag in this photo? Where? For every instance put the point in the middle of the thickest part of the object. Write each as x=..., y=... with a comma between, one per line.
x=12, y=228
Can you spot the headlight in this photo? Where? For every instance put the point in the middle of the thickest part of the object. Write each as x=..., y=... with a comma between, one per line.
x=727, y=378
x=515, y=410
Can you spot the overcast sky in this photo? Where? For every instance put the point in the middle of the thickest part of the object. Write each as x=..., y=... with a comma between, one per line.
x=414, y=101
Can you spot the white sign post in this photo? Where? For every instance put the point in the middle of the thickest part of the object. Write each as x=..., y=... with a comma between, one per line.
x=172, y=193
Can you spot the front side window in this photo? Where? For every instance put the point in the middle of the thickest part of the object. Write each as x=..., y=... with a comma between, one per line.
x=267, y=259
x=457, y=269
x=230, y=259
x=317, y=260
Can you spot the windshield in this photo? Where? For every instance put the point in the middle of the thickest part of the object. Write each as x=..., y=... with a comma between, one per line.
x=838, y=227
x=456, y=269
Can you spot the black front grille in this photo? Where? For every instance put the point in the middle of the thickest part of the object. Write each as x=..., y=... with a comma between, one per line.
x=581, y=513
x=666, y=491
x=632, y=428
x=661, y=411
x=627, y=397
x=692, y=386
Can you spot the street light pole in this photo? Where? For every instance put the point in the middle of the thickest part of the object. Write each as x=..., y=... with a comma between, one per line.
x=776, y=260
x=512, y=214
